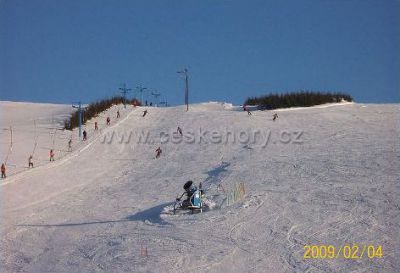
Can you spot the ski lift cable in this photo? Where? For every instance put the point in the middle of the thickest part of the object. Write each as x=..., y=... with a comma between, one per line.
x=10, y=147
x=36, y=140
x=54, y=138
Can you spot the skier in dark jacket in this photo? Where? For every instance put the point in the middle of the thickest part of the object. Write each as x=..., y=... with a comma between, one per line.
x=30, y=162
x=70, y=145
x=190, y=190
x=84, y=135
x=3, y=171
x=145, y=113
x=158, y=152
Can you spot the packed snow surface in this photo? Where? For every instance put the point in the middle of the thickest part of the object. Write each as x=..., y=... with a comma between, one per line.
x=314, y=176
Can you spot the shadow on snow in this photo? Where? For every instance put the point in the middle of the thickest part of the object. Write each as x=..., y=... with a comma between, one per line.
x=214, y=175
x=151, y=214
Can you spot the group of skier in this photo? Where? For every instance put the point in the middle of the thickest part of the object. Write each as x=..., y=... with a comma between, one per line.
x=245, y=108
x=158, y=151
x=30, y=164
x=96, y=128
x=108, y=122
x=146, y=103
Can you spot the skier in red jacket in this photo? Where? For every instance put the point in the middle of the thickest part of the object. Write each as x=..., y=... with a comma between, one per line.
x=51, y=155
x=3, y=170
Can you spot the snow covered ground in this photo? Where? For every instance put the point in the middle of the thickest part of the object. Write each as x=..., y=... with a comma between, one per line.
x=318, y=176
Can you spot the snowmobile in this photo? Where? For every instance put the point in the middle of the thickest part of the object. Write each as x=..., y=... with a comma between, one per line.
x=194, y=198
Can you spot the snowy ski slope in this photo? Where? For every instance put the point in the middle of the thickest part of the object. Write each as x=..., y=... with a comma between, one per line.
x=318, y=176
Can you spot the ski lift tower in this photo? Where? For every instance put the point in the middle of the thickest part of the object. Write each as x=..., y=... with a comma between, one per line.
x=80, y=115
x=155, y=94
x=185, y=73
x=124, y=91
x=141, y=89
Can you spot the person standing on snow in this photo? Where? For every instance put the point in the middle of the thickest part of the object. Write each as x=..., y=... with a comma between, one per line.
x=70, y=145
x=95, y=126
x=144, y=113
x=118, y=115
x=84, y=135
x=30, y=162
x=158, y=152
x=3, y=171
x=51, y=155
x=179, y=130
x=275, y=116
x=108, y=120
x=246, y=109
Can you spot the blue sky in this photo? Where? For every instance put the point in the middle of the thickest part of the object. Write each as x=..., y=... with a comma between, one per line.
x=65, y=51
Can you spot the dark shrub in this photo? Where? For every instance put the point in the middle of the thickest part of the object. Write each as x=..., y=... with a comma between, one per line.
x=296, y=99
x=93, y=109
